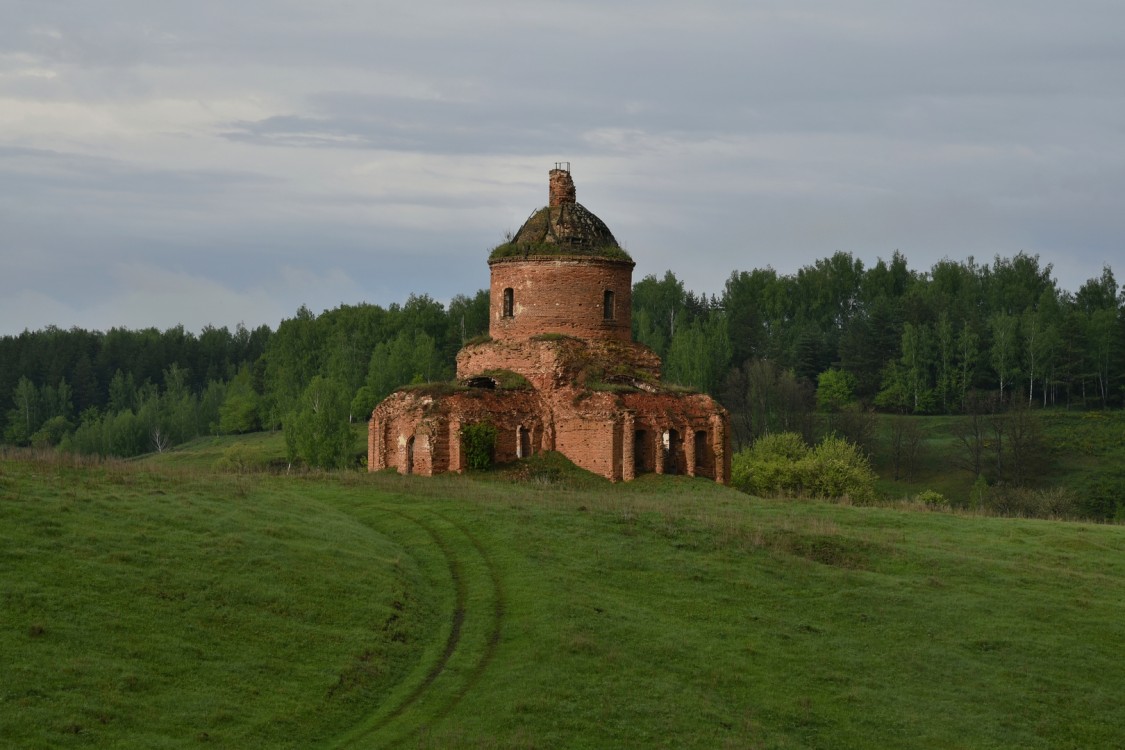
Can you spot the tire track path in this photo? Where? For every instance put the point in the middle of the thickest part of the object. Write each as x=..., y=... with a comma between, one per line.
x=473, y=634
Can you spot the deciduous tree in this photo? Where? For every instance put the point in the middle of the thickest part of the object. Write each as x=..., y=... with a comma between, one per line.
x=317, y=431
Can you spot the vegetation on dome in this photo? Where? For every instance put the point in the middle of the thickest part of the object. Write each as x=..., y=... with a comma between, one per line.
x=618, y=384
x=505, y=380
x=439, y=388
x=564, y=230
x=551, y=249
x=552, y=336
x=483, y=338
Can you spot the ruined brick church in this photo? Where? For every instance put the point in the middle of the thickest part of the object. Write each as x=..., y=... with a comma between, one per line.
x=559, y=370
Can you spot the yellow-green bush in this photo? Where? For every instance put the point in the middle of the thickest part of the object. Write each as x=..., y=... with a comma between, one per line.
x=933, y=499
x=782, y=464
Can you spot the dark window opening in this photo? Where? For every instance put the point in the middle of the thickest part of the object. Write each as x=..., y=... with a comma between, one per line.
x=509, y=303
x=523, y=442
x=409, y=467
x=642, y=453
x=481, y=381
x=704, y=456
x=607, y=305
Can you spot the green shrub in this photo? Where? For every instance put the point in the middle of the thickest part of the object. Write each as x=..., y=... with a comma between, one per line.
x=932, y=499
x=781, y=464
x=479, y=443
x=838, y=469
x=979, y=492
x=1058, y=502
x=237, y=458
x=51, y=432
x=780, y=445
x=1023, y=502
x=771, y=465
x=1102, y=497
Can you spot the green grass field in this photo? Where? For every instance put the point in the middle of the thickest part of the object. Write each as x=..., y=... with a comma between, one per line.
x=166, y=604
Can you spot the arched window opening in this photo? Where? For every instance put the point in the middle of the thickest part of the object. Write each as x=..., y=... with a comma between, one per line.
x=509, y=303
x=482, y=381
x=607, y=305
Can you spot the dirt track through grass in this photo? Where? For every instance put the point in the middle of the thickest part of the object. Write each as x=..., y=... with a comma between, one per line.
x=472, y=633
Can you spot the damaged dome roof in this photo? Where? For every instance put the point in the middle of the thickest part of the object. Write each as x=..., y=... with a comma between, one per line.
x=563, y=227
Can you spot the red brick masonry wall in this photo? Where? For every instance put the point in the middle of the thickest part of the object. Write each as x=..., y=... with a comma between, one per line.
x=416, y=433
x=561, y=295
x=558, y=363
x=615, y=435
x=560, y=188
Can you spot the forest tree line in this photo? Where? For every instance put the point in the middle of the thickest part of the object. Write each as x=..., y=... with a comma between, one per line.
x=835, y=337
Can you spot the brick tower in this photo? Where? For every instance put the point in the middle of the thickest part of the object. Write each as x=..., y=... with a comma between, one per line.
x=563, y=272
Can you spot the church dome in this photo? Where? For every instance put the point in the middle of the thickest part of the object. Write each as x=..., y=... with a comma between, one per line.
x=563, y=227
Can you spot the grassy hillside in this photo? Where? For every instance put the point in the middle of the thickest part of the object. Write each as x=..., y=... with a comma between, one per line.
x=163, y=604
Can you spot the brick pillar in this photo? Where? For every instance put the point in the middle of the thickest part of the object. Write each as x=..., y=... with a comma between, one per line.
x=658, y=450
x=549, y=432
x=371, y=433
x=628, y=446
x=720, y=444
x=456, y=457
x=615, y=450
x=689, y=451
x=560, y=188
x=384, y=444
x=375, y=461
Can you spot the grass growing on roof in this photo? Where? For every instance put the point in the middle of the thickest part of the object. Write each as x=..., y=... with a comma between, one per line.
x=554, y=250
x=506, y=380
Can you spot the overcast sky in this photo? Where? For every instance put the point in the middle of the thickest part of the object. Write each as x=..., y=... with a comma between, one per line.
x=217, y=162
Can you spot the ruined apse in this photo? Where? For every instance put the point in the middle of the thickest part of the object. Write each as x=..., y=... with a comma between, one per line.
x=558, y=370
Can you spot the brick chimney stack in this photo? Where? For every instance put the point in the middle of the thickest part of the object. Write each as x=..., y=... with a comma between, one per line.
x=561, y=186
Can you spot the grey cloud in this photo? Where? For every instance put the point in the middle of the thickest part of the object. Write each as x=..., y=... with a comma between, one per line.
x=352, y=122
x=39, y=168
x=389, y=144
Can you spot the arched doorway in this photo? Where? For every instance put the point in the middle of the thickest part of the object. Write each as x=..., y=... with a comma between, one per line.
x=408, y=466
x=523, y=442
x=673, y=456
x=642, y=452
x=704, y=456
